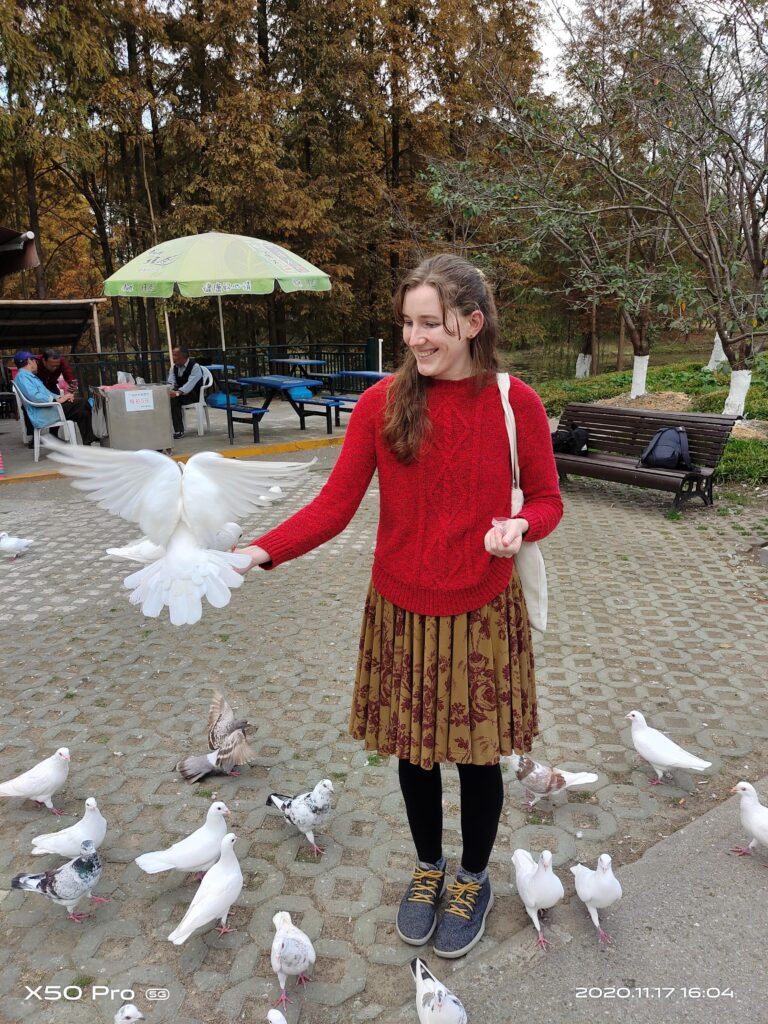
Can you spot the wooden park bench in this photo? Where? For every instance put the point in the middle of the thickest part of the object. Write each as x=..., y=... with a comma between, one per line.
x=618, y=436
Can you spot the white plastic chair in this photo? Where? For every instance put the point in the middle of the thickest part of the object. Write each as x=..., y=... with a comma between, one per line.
x=203, y=419
x=68, y=425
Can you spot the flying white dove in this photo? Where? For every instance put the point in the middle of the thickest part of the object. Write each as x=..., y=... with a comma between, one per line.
x=539, y=781
x=67, y=842
x=598, y=890
x=660, y=751
x=42, y=781
x=292, y=953
x=145, y=551
x=275, y=1017
x=538, y=886
x=435, y=1004
x=13, y=546
x=308, y=811
x=754, y=818
x=181, y=508
x=128, y=1014
x=218, y=890
x=68, y=884
x=198, y=852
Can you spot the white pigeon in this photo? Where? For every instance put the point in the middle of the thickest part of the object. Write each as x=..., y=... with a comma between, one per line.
x=597, y=890
x=128, y=1013
x=218, y=890
x=292, y=953
x=754, y=818
x=181, y=508
x=539, y=781
x=42, y=781
x=435, y=1004
x=307, y=811
x=13, y=546
x=67, y=842
x=198, y=852
x=275, y=1017
x=660, y=751
x=538, y=886
x=145, y=551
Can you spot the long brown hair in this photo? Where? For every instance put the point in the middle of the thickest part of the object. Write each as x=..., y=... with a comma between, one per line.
x=461, y=288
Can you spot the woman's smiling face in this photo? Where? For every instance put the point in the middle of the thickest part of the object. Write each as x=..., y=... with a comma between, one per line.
x=441, y=349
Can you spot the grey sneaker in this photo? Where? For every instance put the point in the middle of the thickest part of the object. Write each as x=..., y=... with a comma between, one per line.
x=417, y=914
x=463, y=922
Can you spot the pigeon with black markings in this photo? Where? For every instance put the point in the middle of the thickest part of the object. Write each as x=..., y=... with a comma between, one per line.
x=435, y=1004
x=597, y=890
x=41, y=782
x=539, y=781
x=68, y=884
x=67, y=842
x=292, y=954
x=197, y=852
x=128, y=1014
x=13, y=546
x=307, y=811
x=754, y=818
x=660, y=751
x=538, y=886
x=220, y=887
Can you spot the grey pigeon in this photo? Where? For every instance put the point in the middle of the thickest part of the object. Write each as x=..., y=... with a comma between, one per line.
x=67, y=842
x=128, y=1013
x=597, y=890
x=13, y=546
x=539, y=781
x=292, y=953
x=42, y=781
x=435, y=1004
x=224, y=761
x=308, y=811
x=222, y=721
x=660, y=751
x=68, y=884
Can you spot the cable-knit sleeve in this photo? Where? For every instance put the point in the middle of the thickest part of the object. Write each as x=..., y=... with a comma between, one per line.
x=330, y=512
x=543, y=506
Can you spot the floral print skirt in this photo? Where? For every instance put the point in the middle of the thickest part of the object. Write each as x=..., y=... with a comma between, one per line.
x=433, y=688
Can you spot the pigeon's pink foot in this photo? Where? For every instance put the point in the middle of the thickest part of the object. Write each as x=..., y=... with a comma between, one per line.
x=303, y=979
x=742, y=851
x=283, y=1000
x=541, y=941
x=224, y=929
x=199, y=876
x=317, y=850
x=233, y=772
x=656, y=781
x=76, y=917
x=99, y=899
x=603, y=936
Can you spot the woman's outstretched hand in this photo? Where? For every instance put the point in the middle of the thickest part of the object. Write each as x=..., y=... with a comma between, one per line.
x=257, y=555
x=505, y=537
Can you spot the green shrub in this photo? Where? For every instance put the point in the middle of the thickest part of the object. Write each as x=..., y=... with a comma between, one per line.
x=744, y=460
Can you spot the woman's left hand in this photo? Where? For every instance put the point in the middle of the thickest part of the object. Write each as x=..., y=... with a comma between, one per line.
x=504, y=541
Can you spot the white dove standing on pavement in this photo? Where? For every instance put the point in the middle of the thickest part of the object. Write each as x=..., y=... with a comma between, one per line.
x=597, y=889
x=13, y=546
x=181, y=508
x=754, y=818
x=41, y=782
x=128, y=1013
x=660, y=751
x=218, y=890
x=539, y=781
x=538, y=886
x=435, y=1004
x=145, y=551
x=292, y=953
x=307, y=811
x=198, y=852
x=275, y=1017
x=68, y=884
x=67, y=842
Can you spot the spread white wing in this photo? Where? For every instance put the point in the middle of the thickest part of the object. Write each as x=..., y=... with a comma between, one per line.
x=143, y=487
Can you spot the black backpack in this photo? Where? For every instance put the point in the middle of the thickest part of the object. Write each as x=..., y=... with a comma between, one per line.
x=667, y=449
x=571, y=440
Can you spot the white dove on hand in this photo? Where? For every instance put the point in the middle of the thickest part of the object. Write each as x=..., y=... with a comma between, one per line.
x=182, y=509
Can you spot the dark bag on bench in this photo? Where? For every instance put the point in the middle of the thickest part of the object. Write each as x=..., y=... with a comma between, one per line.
x=667, y=449
x=571, y=440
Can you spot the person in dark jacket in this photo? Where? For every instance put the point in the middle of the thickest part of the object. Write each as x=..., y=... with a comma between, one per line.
x=186, y=380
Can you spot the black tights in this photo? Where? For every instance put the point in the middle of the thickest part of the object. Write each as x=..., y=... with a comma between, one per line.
x=482, y=796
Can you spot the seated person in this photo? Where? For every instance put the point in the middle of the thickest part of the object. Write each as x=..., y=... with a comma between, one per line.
x=32, y=388
x=186, y=380
x=50, y=366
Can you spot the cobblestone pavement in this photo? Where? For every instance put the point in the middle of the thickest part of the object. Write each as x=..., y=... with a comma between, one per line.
x=666, y=616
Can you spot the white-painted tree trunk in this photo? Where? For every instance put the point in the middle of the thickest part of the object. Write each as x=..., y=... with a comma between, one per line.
x=583, y=365
x=639, y=373
x=737, y=396
x=717, y=355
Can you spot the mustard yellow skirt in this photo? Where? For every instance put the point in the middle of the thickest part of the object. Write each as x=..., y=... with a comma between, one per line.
x=458, y=688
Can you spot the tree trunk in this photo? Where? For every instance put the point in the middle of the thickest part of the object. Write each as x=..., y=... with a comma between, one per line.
x=639, y=373
x=594, y=344
x=717, y=355
x=737, y=394
x=620, y=351
x=34, y=223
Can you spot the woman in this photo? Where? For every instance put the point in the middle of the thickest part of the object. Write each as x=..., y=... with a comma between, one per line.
x=445, y=670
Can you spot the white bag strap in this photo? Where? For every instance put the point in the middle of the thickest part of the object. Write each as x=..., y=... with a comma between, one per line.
x=502, y=379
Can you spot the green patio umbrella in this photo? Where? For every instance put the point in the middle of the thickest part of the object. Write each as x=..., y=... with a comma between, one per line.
x=215, y=264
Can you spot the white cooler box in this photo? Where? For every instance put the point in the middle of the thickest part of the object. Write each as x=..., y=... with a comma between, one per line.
x=133, y=417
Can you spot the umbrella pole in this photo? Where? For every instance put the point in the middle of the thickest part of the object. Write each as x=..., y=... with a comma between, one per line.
x=230, y=425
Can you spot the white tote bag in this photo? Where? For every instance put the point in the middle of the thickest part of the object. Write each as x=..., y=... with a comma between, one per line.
x=529, y=559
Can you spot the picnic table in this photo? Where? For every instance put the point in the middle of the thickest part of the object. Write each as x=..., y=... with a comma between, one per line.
x=301, y=365
x=274, y=384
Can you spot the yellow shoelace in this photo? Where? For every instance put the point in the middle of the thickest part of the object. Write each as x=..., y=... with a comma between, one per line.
x=425, y=884
x=463, y=896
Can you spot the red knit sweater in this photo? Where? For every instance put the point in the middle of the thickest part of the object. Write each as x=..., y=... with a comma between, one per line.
x=434, y=514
